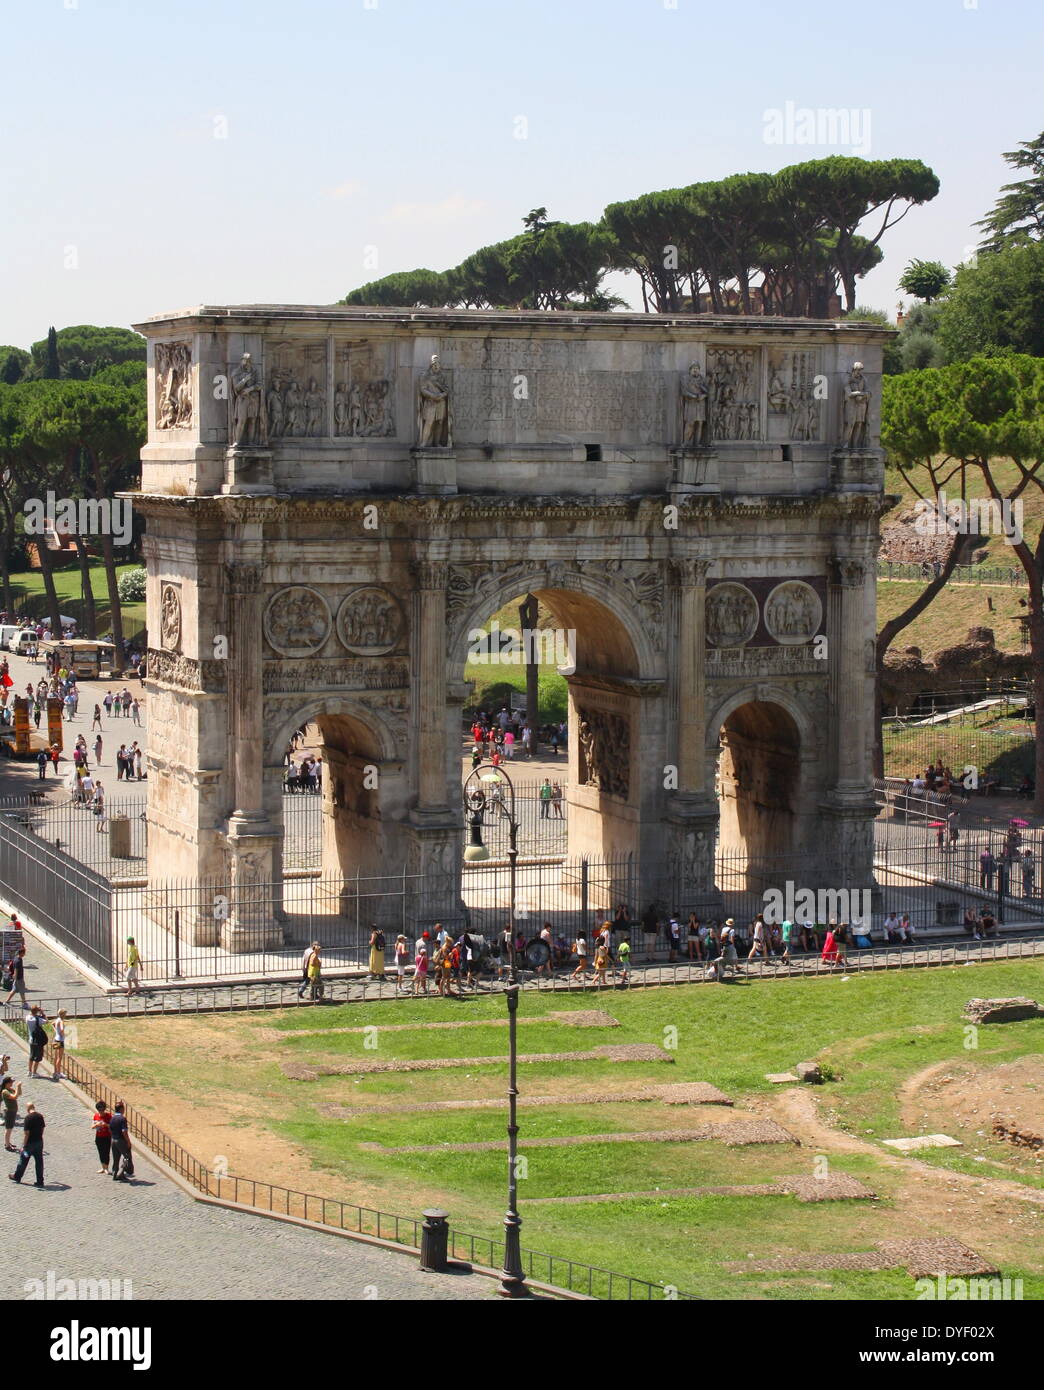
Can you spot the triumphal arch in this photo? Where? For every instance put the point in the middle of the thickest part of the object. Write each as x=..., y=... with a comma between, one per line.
x=336, y=497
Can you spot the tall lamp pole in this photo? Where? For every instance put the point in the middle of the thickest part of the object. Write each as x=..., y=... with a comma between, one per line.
x=476, y=804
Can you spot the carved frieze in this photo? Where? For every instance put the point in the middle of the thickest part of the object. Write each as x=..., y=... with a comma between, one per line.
x=605, y=751
x=732, y=615
x=297, y=621
x=186, y=673
x=370, y=621
x=173, y=386
x=306, y=675
x=793, y=612
x=752, y=662
x=170, y=618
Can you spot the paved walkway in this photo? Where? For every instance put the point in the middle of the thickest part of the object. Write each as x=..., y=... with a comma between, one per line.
x=84, y=1226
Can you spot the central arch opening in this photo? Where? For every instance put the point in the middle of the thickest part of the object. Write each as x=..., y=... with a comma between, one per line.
x=759, y=786
x=572, y=732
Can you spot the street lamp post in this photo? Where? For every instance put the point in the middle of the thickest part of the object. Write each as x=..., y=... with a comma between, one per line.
x=513, y=1278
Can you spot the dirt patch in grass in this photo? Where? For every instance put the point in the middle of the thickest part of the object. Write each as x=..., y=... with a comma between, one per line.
x=681, y=1093
x=920, y=1258
x=585, y=1018
x=731, y=1132
x=627, y=1052
x=830, y=1189
x=975, y=1096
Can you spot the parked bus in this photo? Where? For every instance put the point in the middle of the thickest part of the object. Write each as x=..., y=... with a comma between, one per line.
x=89, y=660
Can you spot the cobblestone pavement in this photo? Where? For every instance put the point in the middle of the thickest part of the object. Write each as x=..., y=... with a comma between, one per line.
x=85, y=1226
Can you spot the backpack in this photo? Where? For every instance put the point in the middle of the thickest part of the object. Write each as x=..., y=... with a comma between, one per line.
x=378, y=941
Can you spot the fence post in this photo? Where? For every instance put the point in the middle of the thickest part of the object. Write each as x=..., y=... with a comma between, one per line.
x=177, y=943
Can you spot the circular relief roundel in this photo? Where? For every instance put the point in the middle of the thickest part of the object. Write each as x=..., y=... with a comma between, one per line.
x=732, y=615
x=793, y=611
x=297, y=621
x=370, y=622
x=170, y=617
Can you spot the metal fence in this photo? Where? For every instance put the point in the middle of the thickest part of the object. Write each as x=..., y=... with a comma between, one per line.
x=574, y=1276
x=113, y=845
x=73, y=903
x=1011, y=575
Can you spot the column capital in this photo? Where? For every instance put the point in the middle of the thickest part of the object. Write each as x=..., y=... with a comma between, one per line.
x=689, y=572
x=243, y=576
x=848, y=573
x=431, y=575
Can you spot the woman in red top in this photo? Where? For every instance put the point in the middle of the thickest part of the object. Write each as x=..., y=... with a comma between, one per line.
x=102, y=1134
x=830, y=951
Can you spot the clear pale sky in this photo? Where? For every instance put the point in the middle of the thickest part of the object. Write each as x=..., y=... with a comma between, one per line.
x=158, y=156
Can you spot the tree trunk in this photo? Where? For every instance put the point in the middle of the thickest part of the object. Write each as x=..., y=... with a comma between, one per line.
x=894, y=626
x=47, y=572
x=90, y=616
x=5, y=572
x=109, y=560
x=528, y=615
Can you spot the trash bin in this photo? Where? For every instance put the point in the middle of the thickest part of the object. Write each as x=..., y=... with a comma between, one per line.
x=434, y=1249
x=120, y=837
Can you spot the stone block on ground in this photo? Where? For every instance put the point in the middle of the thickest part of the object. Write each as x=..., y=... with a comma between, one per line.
x=809, y=1073
x=923, y=1141
x=780, y=1078
x=1002, y=1010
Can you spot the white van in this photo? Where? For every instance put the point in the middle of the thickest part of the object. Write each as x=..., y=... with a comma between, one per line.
x=9, y=631
x=24, y=642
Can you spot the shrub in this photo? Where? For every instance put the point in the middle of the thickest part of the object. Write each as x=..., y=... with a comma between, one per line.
x=131, y=586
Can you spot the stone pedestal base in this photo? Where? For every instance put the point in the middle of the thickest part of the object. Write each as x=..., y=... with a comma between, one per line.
x=435, y=868
x=854, y=470
x=850, y=857
x=435, y=471
x=254, y=898
x=694, y=469
x=688, y=879
x=248, y=471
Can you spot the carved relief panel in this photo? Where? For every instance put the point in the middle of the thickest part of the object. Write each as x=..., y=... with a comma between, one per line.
x=793, y=396
x=734, y=376
x=295, y=390
x=297, y=621
x=364, y=396
x=605, y=751
x=173, y=386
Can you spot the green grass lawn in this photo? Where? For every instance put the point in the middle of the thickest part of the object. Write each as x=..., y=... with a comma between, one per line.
x=273, y=1127
x=29, y=586
x=1000, y=748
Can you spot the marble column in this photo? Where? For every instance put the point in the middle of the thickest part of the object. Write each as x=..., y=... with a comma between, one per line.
x=692, y=809
x=851, y=801
x=250, y=922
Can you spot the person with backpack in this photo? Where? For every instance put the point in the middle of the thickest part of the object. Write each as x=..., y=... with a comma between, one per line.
x=729, y=958
x=376, y=952
x=38, y=1039
x=315, y=973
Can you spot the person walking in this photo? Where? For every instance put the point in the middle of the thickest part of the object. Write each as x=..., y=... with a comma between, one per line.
x=623, y=953
x=133, y=968
x=38, y=1039
x=102, y=1134
x=674, y=936
x=580, y=951
x=315, y=974
x=122, y=1153
x=96, y=720
x=304, y=967
x=556, y=801
x=987, y=865
x=10, y=1090
x=98, y=750
x=41, y=764
x=33, y=1127
x=55, y=755
x=376, y=952
x=136, y=712
x=14, y=976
